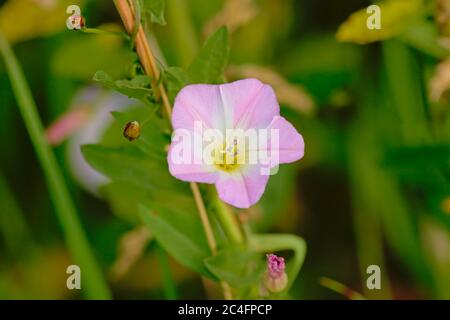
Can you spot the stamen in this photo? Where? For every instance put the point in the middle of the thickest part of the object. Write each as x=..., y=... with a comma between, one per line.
x=229, y=159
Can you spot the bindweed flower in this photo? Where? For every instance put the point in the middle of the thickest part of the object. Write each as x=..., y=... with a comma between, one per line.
x=67, y=124
x=231, y=135
x=85, y=122
x=275, y=278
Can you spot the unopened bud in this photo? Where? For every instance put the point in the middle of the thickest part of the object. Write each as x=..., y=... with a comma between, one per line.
x=275, y=278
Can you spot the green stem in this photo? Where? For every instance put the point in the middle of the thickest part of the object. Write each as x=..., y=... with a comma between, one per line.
x=341, y=289
x=228, y=222
x=92, y=282
x=105, y=32
x=137, y=22
x=366, y=220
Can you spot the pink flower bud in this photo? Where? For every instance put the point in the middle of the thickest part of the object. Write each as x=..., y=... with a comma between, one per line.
x=275, y=278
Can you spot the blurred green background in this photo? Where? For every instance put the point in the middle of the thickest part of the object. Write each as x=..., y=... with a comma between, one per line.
x=373, y=187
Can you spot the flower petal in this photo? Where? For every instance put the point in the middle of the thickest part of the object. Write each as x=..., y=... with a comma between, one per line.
x=193, y=173
x=198, y=102
x=241, y=104
x=186, y=160
x=290, y=146
x=242, y=189
x=251, y=103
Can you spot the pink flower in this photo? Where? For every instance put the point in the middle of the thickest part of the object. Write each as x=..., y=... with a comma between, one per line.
x=241, y=105
x=67, y=124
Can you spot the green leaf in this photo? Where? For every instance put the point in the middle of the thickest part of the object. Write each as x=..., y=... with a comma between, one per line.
x=207, y=67
x=131, y=165
x=137, y=88
x=238, y=268
x=174, y=232
x=396, y=16
x=210, y=63
x=155, y=8
x=175, y=79
x=125, y=198
x=152, y=139
x=425, y=37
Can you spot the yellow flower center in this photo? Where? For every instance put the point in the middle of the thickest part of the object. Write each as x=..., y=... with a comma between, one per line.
x=228, y=158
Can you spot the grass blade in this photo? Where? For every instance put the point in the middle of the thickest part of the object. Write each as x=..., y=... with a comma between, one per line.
x=93, y=284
